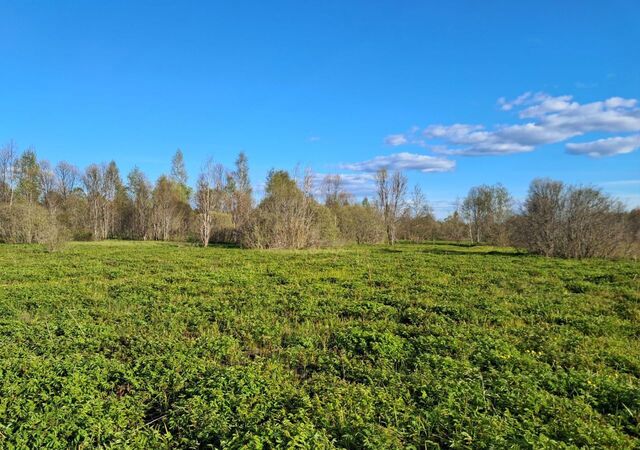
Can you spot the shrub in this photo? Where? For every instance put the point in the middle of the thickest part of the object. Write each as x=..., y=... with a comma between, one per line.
x=24, y=223
x=288, y=217
x=570, y=222
x=360, y=224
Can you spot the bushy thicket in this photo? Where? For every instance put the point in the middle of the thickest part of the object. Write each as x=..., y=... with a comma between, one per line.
x=24, y=223
x=573, y=222
x=289, y=217
x=554, y=220
x=359, y=223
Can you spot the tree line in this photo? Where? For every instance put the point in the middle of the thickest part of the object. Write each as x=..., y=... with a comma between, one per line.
x=40, y=202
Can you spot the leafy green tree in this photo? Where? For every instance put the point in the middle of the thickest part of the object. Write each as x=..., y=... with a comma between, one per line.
x=29, y=177
x=178, y=169
x=179, y=176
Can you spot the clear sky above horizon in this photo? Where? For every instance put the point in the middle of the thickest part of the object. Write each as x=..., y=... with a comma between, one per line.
x=455, y=93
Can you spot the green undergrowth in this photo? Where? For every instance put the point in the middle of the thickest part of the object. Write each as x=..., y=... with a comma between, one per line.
x=154, y=345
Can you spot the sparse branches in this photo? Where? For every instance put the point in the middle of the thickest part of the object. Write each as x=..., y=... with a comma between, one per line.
x=391, y=191
x=67, y=176
x=334, y=193
x=93, y=181
x=486, y=210
x=211, y=198
x=140, y=190
x=569, y=221
x=8, y=171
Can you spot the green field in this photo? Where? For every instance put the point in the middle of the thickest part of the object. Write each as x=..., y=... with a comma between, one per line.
x=154, y=345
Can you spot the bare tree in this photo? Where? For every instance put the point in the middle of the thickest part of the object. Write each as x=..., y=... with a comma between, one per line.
x=8, y=172
x=419, y=205
x=111, y=187
x=486, y=210
x=334, y=193
x=241, y=195
x=209, y=198
x=102, y=185
x=204, y=205
x=305, y=217
x=544, y=209
x=594, y=225
x=139, y=190
x=391, y=191
x=417, y=222
x=93, y=180
x=49, y=187
x=571, y=222
x=68, y=176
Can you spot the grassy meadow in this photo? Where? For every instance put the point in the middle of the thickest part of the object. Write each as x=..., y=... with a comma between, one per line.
x=160, y=345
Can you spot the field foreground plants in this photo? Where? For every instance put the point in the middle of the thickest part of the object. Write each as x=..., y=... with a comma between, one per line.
x=156, y=345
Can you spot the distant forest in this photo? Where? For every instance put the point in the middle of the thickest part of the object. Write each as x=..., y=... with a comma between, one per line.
x=43, y=203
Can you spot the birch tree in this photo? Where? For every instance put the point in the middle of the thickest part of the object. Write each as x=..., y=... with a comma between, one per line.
x=391, y=191
x=8, y=172
x=210, y=198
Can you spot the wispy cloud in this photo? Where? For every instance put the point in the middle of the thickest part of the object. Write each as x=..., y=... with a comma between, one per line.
x=546, y=120
x=606, y=147
x=395, y=140
x=403, y=161
x=314, y=138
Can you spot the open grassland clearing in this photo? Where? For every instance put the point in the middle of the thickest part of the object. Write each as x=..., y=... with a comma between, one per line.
x=167, y=345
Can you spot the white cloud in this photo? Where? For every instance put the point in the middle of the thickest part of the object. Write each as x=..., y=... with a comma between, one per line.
x=549, y=120
x=542, y=104
x=506, y=105
x=396, y=139
x=314, y=138
x=606, y=147
x=457, y=133
x=403, y=161
x=615, y=102
x=530, y=135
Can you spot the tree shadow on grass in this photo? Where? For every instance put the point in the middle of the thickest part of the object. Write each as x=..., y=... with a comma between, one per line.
x=455, y=252
x=223, y=245
x=389, y=250
x=455, y=244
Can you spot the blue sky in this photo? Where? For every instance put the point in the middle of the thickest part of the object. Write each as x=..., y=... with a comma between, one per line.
x=456, y=93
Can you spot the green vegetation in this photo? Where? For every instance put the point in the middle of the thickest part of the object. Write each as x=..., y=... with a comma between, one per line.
x=153, y=345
